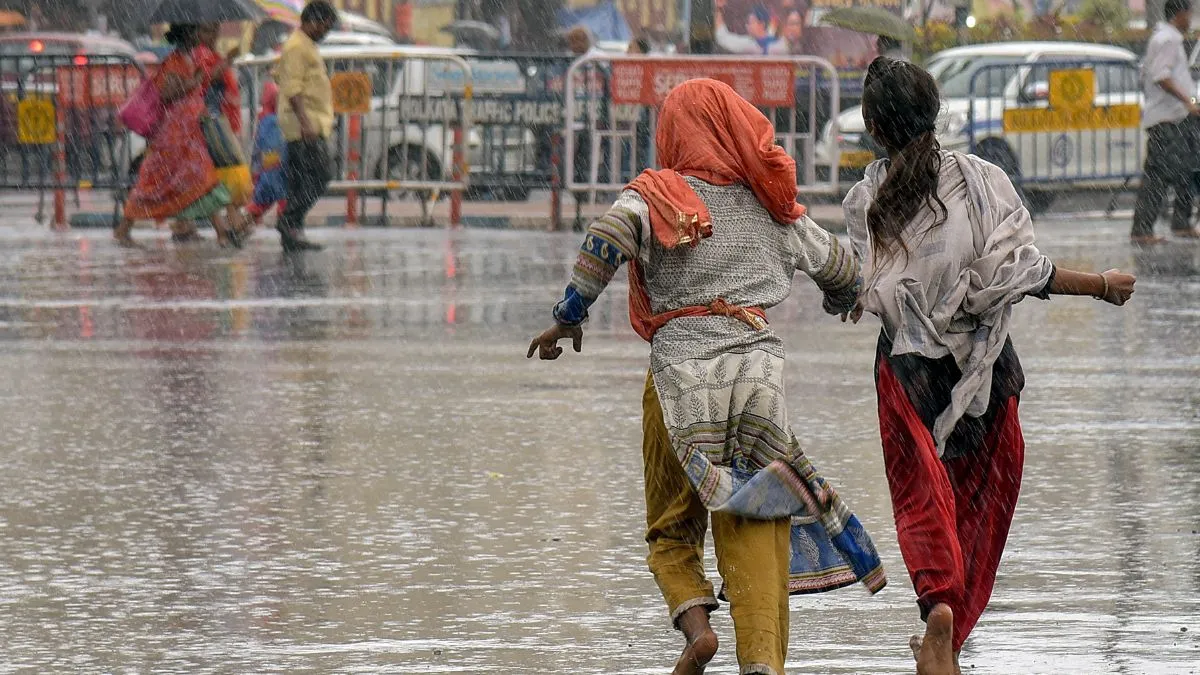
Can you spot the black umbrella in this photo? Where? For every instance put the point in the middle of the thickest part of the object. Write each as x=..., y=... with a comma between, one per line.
x=206, y=11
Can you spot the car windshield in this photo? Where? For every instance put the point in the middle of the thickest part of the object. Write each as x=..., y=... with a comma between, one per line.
x=954, y=74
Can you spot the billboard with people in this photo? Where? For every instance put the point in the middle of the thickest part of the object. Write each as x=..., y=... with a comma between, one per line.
x=793, y=27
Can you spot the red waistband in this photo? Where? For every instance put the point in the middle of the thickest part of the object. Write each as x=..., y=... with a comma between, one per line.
x=753, y=317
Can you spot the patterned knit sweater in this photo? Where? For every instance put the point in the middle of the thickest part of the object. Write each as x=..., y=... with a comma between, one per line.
x=749, y=260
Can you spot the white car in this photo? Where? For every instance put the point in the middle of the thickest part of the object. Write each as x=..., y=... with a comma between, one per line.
x=1013, y=76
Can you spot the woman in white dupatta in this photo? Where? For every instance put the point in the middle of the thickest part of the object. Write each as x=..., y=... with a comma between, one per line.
x=947, y=248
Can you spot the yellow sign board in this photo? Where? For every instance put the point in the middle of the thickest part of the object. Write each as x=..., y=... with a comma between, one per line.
x=351, y=93
x=1072, y=90
x=36, y=122
x=1028, y=120
x=856, y=159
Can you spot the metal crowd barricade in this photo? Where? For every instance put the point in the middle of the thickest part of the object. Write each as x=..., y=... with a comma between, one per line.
x=1055, y=125
x=516, y=117
x=59, y=129
x=612, y=116
x=403, y=119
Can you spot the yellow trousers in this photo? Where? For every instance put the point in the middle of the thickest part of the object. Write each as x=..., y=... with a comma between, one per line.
x=752, y=555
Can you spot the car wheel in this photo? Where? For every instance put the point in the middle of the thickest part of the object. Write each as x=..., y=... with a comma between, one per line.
x=997, y=152
x=411, y=163
x=1039, y=202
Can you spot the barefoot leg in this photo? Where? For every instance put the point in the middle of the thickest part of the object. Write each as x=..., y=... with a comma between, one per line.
x=122, y=233
x=225, y=236
x=937, y=653
x=701, y=642
x=239, y=223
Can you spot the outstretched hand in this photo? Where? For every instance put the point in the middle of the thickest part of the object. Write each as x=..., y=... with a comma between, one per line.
x=1120, y=287
x=546, y=344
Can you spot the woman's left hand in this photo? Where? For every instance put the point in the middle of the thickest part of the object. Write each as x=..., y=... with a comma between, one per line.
x=546, y=344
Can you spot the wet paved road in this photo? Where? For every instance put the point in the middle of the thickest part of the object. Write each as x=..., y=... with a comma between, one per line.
x=242, y=462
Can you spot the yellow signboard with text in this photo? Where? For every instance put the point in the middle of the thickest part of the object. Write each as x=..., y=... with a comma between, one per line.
x=351, y=93
x=1073, y=89
x=1072, y=108
x=1029, y=120
x=36, y=122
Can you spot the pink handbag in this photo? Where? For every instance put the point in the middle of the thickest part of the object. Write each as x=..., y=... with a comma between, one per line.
x=143, y=111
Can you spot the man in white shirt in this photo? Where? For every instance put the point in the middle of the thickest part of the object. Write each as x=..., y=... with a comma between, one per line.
x=1170, y=117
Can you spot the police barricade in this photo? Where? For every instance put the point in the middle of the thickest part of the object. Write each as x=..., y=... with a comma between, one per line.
x=516, y=114
x=612, y=117
x=59, y=128
x=1055, y=126
x=402, y=120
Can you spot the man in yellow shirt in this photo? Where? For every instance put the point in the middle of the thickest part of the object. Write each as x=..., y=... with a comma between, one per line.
x=306, y=119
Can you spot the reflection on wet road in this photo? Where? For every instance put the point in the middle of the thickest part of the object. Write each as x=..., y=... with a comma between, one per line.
x=242, y=462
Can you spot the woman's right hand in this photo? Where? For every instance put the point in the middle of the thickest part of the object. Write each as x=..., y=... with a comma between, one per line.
x=1120, y=287
x=546, y=344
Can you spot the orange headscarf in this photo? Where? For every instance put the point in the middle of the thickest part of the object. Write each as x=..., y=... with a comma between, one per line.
x=706, y=130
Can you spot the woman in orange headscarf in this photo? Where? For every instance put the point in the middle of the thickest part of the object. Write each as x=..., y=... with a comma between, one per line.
x=712, y=241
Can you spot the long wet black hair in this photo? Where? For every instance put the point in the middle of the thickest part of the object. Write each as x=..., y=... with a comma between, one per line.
x=900, y=106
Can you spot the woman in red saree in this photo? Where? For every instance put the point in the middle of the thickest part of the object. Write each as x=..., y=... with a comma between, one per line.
x=947, y=248
x=177, y=178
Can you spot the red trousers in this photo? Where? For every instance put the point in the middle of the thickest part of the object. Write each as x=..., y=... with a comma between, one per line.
x=952, y=517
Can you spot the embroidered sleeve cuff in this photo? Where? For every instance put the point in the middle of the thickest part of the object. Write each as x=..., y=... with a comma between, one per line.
x=572, y=310
x=842, y=300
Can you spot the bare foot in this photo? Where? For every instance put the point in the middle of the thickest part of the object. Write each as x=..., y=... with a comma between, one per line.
x=936, y=656
x=124, y=240
x=701, y=642
x=914, y=643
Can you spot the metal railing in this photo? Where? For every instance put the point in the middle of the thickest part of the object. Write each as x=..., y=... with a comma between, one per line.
x=1069, y=123
x=611, y=112
x=59, y=130
x=403, y=118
